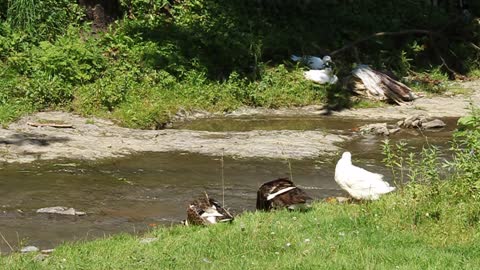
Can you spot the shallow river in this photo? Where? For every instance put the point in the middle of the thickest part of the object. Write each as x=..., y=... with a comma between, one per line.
x=139, y=192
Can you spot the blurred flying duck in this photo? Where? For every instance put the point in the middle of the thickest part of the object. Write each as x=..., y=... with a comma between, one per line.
x=360, y=183
x=206, y=211
x=281, y=193
x=313, y=62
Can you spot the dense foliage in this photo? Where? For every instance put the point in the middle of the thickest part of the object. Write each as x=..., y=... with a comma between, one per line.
x=214, y=55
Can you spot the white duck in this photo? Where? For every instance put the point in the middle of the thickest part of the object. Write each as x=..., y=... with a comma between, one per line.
x=321, y=76
x=312, y=61
x=360, y=183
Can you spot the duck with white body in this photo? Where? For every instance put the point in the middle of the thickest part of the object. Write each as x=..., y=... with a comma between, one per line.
x=360, y=183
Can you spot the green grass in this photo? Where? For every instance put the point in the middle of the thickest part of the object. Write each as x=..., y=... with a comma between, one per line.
x=11, y=112
x=331, y=236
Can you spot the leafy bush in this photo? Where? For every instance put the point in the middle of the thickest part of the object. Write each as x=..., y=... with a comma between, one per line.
x=74, y=60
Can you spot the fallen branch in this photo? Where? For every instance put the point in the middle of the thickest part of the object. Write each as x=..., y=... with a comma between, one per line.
x=381, y=34
x=452, y=73
x=49, y=125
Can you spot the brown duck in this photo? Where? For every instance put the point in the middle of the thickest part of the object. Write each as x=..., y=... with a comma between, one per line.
x=281, y=193
x=206, y=211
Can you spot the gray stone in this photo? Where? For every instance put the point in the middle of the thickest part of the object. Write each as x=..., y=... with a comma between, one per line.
x=28, y=249
x=376, y=129
x=60, y=210
x=414, y=121
x=379, y=129
x=394, y=130
x=436, y=123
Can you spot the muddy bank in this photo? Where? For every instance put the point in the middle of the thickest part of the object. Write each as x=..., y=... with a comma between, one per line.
x=98, y=138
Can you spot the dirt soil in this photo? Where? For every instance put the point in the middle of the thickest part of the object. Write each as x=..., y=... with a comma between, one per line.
x=98, y=138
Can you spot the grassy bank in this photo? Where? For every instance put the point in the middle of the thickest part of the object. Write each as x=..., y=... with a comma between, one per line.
x=431, y=222
x=380, y=235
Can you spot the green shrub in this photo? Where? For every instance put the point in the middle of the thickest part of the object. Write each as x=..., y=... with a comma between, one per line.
x=11, y=41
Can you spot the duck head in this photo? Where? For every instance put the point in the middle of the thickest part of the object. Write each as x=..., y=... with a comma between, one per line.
x=346, y=157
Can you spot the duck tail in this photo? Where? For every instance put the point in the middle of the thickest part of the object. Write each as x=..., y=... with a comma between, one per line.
x=295, y=58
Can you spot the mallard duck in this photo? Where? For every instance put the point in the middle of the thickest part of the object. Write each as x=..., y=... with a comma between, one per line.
x=281, y=193
x=206, y=211
x=321, y=76
x=313, y=62
x=360, y=183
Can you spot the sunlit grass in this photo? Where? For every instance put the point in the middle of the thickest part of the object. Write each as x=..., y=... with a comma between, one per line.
x=332, y=236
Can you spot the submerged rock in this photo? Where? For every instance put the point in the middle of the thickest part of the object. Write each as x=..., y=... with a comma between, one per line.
x=28, y=249
x=60, y=210
x=379, y=129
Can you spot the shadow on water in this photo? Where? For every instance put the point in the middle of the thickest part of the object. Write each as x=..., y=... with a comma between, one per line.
x=222, y=124
x=136, y=193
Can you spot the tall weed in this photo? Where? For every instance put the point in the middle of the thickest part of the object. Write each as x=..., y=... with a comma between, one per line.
x=447, y=200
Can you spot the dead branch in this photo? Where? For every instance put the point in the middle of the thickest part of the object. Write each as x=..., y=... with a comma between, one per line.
x=49, y=125
x=381, y=34
x=451, y=72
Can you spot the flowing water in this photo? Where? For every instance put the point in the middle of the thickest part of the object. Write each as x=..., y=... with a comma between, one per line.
x=136, y=193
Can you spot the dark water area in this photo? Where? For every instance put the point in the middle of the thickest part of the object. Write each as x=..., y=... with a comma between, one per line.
x=139, y=192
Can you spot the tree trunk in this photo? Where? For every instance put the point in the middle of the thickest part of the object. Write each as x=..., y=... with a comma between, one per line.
x=101, y=12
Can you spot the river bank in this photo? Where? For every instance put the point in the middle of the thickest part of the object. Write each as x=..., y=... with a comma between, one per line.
x=31, y=138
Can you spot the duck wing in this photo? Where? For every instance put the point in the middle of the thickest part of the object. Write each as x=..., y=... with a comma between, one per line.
x=318, y=76
x=312, y=61
x=224, y=214
x=357, y=178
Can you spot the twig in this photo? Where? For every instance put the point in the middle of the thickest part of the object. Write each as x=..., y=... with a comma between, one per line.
x=288, y=161
x=223, y=178
x=290, y=169
x=474, y=46
x=8, y=244
x=381, y=34
x=49, y=125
